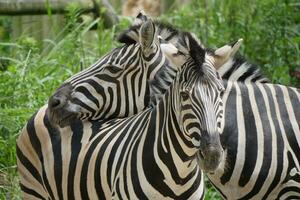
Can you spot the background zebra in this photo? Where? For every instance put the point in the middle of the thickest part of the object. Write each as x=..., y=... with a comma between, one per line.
x=154, y=154
x=261, y=139
x=260, y=131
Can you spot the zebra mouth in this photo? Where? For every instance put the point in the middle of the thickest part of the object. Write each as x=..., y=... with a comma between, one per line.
x=62, y=118
x=209, y=160
x=67, y=120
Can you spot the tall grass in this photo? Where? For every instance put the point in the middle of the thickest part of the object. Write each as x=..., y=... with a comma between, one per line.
x=28, y=74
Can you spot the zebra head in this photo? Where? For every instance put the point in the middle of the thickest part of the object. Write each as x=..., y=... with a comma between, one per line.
x=199, y=96
x=115, y=86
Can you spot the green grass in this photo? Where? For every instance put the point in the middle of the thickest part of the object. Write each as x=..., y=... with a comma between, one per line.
x=28, y=74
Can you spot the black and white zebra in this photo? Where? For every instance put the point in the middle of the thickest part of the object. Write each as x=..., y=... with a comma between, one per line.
x=115, y=86
x=261, y=138
x=260, y=132
x=155, y=154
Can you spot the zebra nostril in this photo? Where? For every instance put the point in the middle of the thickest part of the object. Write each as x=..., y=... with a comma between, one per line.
x=54, y=102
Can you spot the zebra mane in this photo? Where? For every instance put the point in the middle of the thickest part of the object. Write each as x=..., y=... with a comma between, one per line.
x=241, y=70
x=236, y=69
x=186, y=42
x=180, y=39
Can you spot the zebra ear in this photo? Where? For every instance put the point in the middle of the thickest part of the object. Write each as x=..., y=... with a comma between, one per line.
x=131, y=35
x=147, y=34
x=140, y=18
x=171, y=52
x=223, y=54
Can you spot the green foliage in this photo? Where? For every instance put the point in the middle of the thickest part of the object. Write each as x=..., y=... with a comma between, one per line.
x=211, y=194
x=270, y=29
x=29, y=74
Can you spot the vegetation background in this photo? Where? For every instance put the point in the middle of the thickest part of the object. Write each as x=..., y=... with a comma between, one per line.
x=29, y=74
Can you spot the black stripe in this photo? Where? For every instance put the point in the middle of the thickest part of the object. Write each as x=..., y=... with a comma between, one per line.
x=28, y=165
x=101, y=91
x=288, y=189
x=237, y=62
x=31, y=192
x=83, y=105
x=34, y=140
x=295, y=103
x=77, y=129
x=54, y=135
x=229, y=138
x=134, y=89
x=154, y=63
x=87, y=94
x=111, y=98
x=280, y=145
x=251, y=137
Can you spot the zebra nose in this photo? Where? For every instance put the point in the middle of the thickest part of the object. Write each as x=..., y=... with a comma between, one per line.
x=54, y=102
x=212, y=157
x=60, y=97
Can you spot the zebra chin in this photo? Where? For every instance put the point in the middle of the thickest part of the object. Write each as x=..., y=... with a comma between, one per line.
x=61, y=118
x=210, y=158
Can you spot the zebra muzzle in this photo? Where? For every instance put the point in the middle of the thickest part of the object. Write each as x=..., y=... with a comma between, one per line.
x=210, y=158
x=60, y=109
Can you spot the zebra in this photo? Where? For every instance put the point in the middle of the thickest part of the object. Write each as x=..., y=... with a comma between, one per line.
x=259, y=132
x=261, y=138
x=158, y=153
x=114, y=87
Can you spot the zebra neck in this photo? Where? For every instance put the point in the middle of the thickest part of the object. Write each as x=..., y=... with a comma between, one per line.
x=172, y=153
x=169, y=123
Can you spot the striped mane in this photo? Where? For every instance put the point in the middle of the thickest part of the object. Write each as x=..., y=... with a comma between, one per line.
x=236, y=69
x=241, y=70
x=180, y=39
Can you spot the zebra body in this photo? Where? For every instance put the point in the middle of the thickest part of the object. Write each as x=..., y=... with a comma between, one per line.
x=261, y=139
x=155, y=154
x=106, y=163
x=247, y=129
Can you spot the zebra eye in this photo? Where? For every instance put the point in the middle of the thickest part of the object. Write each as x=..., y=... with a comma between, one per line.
x=218, y=76
x=113, y=69
x=221, y=89
x=180, y=53
x=184, y=94
x=221, y=93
